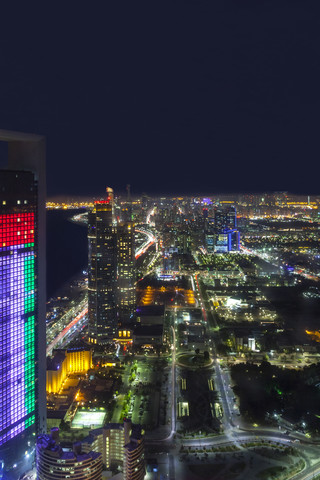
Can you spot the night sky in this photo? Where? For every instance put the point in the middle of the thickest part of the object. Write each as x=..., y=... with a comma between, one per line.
x=171, y=97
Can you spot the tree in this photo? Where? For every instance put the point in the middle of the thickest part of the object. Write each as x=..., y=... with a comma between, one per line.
x=222, y=349
x=64, y=426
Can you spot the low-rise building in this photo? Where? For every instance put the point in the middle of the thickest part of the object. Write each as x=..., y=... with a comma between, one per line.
x=65, y=362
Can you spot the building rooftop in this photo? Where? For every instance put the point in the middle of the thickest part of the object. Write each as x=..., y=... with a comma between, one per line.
x=150, y=310
x=147, y=330
x=55, y=362
x=113, y=426
x=46, y=442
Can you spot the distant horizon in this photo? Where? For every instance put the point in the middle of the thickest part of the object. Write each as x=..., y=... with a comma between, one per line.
x=69, y=196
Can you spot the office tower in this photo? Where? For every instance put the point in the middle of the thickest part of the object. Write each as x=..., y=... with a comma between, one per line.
x=111, y=283
x=23, y=297
x=227, y=237
x=210, y=234
x=205, y=213
x=231, y=218
x=125, y=208
x=219, y=219
x=102, y=273
x=126, y=289
x=55, y=463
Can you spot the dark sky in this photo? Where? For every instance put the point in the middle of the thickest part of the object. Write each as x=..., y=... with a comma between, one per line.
x=171, y=97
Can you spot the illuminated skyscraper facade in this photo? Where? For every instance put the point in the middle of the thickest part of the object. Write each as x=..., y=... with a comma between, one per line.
x=18, y=303
x=102, y=273
x=126, y=289
x=111, y=282
x=22, y=299
x=210, y=234
x=227, y=237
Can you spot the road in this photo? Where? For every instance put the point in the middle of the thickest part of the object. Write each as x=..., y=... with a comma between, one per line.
x=236, y=431
x=74, y=317
x=151, y=239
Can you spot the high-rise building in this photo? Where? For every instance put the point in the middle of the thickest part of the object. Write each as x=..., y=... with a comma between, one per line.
x=22, y=298
x=102, y=272
x=126, y=289
x=227, y=237
x=219, y=219
x=111, y=283
x=210, y=234
x=57, y=463
x=231, y=218
x=134, y=463
x=121, y=446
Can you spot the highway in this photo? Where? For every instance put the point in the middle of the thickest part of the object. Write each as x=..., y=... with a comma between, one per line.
x=72, y=318
x=151, y=239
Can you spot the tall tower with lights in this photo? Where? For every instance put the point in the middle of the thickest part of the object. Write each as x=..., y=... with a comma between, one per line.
x=22, y=298
x=126, y=274
x=111, y=282
x=102, y=271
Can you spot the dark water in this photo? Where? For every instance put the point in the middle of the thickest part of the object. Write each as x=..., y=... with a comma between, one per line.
x=67, y=249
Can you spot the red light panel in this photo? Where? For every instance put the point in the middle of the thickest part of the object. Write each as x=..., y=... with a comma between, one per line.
x=16, y=229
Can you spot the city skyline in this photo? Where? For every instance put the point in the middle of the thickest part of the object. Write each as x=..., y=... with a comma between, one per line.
x=195, y=323
x=165, y=326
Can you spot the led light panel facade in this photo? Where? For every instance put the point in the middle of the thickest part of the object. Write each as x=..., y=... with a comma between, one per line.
x=22, y=300
x=17, y=326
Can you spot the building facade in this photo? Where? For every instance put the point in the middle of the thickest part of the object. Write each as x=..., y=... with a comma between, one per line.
x=121, y=446
x=227, y=236
x=134, y=463
x=65, y=362
x=126, y=273
x=102, y=273
x=23, y=296
x=55, y=463
x=111, y=272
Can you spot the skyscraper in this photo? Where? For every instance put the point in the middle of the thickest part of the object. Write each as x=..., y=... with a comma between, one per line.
x=227, y=237
x=210, y=234
x=111, y=284
x=102, y=272
x=22, y=296
x=126, y=289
